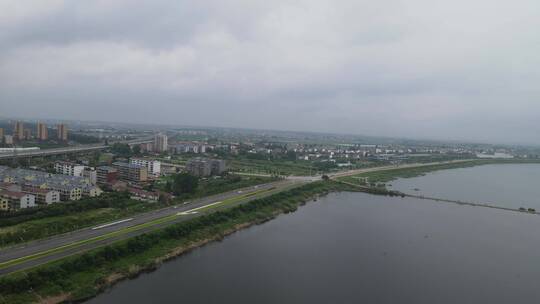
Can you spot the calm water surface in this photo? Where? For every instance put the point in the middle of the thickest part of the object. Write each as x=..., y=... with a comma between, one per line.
x=358, y=248
x=512, y=185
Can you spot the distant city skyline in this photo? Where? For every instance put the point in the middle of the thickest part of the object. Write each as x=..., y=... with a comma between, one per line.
x=416, y=69
x=161, y=126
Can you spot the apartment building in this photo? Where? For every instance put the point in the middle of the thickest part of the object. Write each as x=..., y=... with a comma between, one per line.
x=27, y=134
x=68, y=168
x=188, y=147
x=90, y=174
x=18, y=130
x=153, y=166
x=43, y=196
x=70, y=192
x=106, y=175
x=205, y=167
x=131, y=172
x=160, y=143
x=62, y=132
x=8, y=139
x=17, y=200
x=42, y=132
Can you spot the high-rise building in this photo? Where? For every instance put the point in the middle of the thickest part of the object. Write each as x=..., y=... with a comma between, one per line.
x=160, y=143
x=8, y=139
x=27, y=134
x=62, y=132
x=42, y=133
x=18, y=132
x=1, y=135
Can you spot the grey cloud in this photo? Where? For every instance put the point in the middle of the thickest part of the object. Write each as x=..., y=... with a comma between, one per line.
x=420, y=68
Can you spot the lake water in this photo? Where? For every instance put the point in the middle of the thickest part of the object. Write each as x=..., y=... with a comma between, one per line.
x=512, y=185
x=358, y=248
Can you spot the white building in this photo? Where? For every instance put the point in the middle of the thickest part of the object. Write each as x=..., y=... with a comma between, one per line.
x=8, y=139
x=90, y=174
x=160, y=143
x=44, y=196
x=153, y=166
x=17, y=200
x=70, y=169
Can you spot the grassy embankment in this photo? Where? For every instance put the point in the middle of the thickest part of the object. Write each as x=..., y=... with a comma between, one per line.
x=43, y=222
x=87, y=274
x=273, y=167
x=378, y=179
x=212, y=185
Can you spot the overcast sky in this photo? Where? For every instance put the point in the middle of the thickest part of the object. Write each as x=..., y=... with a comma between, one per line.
x=461, y=69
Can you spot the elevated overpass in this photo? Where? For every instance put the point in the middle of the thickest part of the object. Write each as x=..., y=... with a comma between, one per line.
x=67, y=150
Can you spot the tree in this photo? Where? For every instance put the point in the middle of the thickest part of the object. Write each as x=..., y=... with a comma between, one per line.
x=136, y=150
x=184, y=183
x=163, y=199
x=122, y=150
x=291, y=155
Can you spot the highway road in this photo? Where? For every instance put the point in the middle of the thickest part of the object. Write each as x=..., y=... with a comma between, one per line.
x=35, y=253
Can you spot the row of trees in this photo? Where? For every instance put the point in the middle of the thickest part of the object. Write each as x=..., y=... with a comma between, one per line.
x=183, y=183
x=124, y=150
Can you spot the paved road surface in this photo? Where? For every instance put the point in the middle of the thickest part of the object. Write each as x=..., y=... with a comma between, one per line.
x=44, y=245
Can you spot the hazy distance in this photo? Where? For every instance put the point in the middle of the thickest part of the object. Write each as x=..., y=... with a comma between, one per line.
x=421, y=68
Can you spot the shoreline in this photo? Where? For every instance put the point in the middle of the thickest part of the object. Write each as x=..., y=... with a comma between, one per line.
x=381, y=177
x=102, y=268
x=176, y=253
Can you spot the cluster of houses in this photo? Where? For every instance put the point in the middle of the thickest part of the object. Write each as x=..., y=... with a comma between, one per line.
x=22, y=188
x=131, y=176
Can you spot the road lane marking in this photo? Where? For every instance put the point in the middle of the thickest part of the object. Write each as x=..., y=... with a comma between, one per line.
x=126, y=230
x=190, y=211
x=112, y=224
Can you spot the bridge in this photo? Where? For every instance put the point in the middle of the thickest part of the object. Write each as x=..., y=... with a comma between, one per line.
x=68, y=150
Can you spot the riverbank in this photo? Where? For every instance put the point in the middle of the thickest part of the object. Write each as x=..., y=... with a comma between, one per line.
x=32, y=224
x=376, y=249
x=83, y=276
x=379, y=178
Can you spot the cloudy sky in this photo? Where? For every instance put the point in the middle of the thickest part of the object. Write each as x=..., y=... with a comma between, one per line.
x=461, y=69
